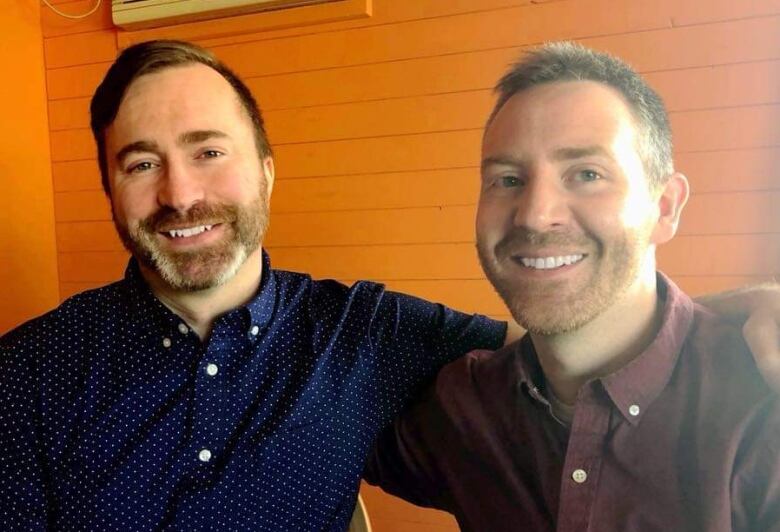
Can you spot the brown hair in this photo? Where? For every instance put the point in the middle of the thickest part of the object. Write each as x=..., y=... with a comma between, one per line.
x=568, y=61
x=153, y=56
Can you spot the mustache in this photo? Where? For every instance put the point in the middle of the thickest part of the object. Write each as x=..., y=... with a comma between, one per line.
x=167, y=218
x=522, y=238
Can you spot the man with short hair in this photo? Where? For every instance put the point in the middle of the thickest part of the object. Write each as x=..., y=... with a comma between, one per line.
x=205, y=390
x=627, y=407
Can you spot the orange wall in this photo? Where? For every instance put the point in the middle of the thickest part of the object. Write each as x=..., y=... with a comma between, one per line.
x=376, y=124
x=28, y=260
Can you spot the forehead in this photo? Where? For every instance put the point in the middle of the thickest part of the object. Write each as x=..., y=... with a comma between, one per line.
x=561, y=114
x=177, y=99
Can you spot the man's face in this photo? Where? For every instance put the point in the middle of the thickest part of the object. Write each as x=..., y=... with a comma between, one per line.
x=189, y=190
x=566, y=215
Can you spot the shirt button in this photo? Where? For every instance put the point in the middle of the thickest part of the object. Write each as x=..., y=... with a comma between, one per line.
x=166, y=342
x=254, y=330
x=204, y=455
x=183, y=328
x=633, y=410
x=212, y=369
x=579, y=476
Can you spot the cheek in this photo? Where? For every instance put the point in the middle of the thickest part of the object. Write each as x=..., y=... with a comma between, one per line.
x=490, y=221
x=131, y=204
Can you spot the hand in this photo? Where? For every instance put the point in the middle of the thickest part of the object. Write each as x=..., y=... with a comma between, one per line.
x=760, y=304
x=762, y=334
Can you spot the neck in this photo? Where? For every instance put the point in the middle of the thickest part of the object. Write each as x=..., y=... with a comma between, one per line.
x=201, y=308
x=605, y=344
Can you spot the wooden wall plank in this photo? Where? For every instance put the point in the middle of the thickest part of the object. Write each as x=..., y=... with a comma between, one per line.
x=77, y=81
x=76, y=175
x=79, y=49
x=744, y=169
x=736, y=213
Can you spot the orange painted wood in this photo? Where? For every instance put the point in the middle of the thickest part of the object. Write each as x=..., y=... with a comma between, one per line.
x=92, y=267
x=391, y=514
x=743, y=255
x=54, y=25
x=87, y=236
x=77, y=81
x=399, y=116
x=79, y=49
x=732, y=85
x=84, y=205
x=70, y=113
x=72, y=145
x=28, y=260
x=456, y=186
x=744, y=169
x=726, y=129
x=732, y=213
x=76, y=175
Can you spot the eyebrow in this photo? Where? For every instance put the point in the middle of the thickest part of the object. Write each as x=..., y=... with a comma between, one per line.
x=560, y=154
x=189, y=137
x=135, y=147
x=565, y=154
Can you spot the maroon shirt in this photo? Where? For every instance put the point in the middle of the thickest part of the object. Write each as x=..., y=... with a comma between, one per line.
x=684, y=438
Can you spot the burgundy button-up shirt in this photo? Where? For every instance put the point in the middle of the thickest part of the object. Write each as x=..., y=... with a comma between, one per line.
x=684, y=438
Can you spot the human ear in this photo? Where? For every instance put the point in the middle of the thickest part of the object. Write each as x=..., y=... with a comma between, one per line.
x=671, y=199
x=270, y=172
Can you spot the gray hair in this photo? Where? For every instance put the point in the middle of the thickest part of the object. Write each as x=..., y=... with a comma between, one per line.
x=568, y=61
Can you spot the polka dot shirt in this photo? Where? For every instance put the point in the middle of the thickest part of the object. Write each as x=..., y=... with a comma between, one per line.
x=115, y=416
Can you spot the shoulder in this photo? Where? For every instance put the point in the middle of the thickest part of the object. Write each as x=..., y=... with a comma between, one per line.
x=295, y=285
x=480, y=377
x=76, y=316
x=718, y=345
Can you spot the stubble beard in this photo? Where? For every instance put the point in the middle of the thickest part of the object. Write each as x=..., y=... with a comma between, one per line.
x=553, y=307
x=208, y=266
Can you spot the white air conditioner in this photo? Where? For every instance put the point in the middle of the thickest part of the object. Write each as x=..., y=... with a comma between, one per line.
x=137, y=14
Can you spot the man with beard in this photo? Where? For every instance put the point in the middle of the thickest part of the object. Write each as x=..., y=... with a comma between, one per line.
x=205, y=390
x=627, y=406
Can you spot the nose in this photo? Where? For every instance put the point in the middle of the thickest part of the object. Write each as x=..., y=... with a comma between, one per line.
x=179, y=187
x=542, y=204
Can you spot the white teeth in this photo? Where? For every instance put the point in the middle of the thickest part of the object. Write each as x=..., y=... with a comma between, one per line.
x=189, y=231
x=548, y=263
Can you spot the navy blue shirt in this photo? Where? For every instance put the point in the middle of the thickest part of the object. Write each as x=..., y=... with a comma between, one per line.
x=115, y=416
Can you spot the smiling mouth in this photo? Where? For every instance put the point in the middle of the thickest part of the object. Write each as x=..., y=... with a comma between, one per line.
x=549, y=263
x=186, y=232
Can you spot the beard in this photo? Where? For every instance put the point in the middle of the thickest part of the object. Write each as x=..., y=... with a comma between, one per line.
x=208, y=266
x=556, y=306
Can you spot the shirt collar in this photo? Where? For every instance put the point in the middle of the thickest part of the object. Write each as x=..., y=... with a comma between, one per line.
x=146, y=308
x=634, y=387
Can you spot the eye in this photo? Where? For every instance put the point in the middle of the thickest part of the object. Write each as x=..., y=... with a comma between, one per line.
x=588, y=175
x=210, y=154
x=508, y=181
x=138, y=168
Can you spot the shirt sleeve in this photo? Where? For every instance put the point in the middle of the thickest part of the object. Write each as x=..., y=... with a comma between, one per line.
x=403, y=461
x=414, y=338
x=22, y=495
